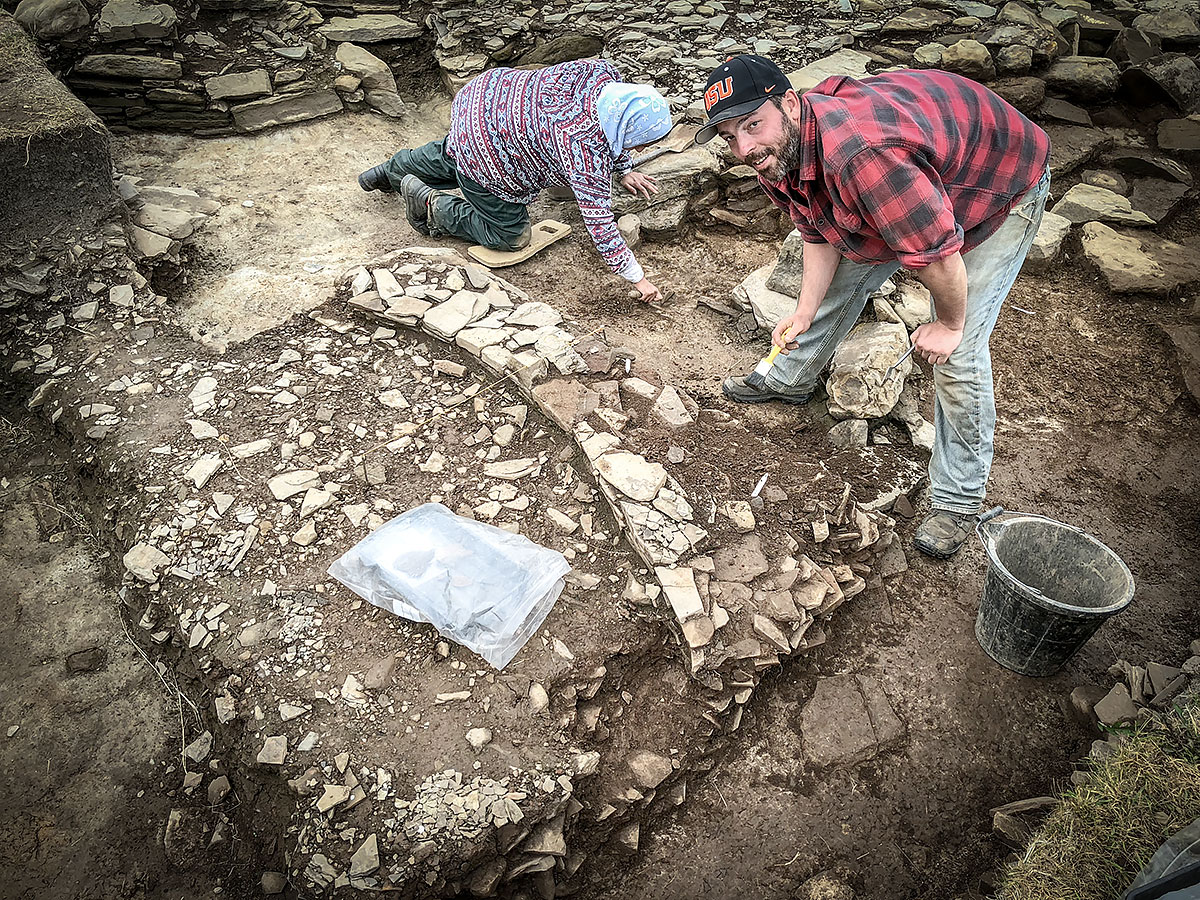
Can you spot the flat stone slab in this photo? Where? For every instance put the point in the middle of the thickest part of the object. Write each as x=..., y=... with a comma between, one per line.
x=844, y=62
x=1139, y=263
x=632, y=475
x=1072, y=145
x=132, y=20
x=741, y=562
x=848, y=721
x=370, y=29
x=239, y=85
x=123, y=65
x=285, y=109
x=1088, y=203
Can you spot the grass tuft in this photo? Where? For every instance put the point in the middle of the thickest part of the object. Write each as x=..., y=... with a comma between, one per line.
x=1104, y=831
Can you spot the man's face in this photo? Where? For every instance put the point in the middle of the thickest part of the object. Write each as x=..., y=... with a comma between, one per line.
x=767, y=139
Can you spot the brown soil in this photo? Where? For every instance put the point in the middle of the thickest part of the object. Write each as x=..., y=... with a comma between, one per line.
x=1095, y=429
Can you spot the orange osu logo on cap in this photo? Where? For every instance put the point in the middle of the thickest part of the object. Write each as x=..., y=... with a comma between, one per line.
x=717, y=92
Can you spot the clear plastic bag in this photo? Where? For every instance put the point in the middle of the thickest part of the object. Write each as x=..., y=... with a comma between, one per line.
x=483, y=587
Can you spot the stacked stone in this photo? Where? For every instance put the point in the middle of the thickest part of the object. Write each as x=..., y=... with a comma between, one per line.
x=734, y=612
x=1064, y=64
x=671, y=43
x=221, y=67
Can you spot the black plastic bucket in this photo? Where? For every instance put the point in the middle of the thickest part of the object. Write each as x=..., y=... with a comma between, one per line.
x=1049, y=586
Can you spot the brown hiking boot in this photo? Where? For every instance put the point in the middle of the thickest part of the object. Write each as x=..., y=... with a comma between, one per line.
x=943, y=533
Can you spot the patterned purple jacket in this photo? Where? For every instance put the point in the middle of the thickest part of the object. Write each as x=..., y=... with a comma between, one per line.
x=518, y=132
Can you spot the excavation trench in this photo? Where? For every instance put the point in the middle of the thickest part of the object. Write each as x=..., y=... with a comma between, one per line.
x=874, y=741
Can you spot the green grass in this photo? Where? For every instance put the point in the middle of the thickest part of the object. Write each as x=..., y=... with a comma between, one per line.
x=32, y=102
x=1104, y=831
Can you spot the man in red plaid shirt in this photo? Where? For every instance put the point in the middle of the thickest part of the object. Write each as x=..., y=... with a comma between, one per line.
x=925, y=170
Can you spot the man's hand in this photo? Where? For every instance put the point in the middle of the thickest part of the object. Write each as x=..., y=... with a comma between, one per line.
x=935, y=342
x=647, y=292
x=796, y=323
x=637, y=183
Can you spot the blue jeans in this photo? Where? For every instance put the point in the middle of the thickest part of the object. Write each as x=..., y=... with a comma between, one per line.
x=479, y=216
x=964, y=411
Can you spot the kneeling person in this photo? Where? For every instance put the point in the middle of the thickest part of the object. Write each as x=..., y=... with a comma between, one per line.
x=920, y=169
x=513, y=133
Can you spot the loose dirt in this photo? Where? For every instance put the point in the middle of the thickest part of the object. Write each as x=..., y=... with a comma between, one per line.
x=90, y=752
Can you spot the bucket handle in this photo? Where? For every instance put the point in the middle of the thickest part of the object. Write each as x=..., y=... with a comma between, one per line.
x=984, y=529
x=997, y=511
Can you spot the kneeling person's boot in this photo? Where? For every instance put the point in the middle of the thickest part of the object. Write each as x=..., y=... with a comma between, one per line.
x=524, y=239
x=943, y=533
x=375, y=179
x=416, y=194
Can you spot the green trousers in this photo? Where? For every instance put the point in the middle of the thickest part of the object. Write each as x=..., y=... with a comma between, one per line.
x=478, y=216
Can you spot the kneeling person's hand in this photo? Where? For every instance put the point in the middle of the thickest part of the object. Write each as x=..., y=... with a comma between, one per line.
x=647, y=292
x=637, y=183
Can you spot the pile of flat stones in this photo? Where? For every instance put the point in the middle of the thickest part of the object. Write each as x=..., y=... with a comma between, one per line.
x=271, y=464
x=1143, y=695
x=736, y=612
x=216, y=67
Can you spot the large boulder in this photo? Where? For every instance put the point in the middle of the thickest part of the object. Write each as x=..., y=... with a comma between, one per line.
x=1046, y=45
x=372, y=72
x=1137, y=263
x=1088, y=203
x=132, y=20
x=1132, y=46
x=1026, y=93
x=1175, y=80
x=859, y=386
x=54, y=20
x=1088, y=78
x=970, y=59
x=1175, y=27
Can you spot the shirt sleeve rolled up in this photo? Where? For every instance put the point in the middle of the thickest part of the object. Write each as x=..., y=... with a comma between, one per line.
x=901, y=195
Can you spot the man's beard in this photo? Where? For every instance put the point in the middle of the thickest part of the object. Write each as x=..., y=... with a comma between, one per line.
x=786, y=153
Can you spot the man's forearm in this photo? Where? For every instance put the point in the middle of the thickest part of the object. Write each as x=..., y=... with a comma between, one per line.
x=947, y=282
x=820, y=263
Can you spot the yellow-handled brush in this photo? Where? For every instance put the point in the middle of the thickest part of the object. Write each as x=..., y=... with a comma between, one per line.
x=758, y=377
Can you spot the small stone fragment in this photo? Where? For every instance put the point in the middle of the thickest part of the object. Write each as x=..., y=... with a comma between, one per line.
x=274, y=751
x=479, y=738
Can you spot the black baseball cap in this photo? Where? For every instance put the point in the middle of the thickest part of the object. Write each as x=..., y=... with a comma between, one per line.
x=738, y=87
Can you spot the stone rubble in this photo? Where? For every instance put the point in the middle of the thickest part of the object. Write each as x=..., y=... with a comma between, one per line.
x=274, y=465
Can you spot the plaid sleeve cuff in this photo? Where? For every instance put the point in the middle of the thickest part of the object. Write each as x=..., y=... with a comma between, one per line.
x=923, y=258
x=807, y=232
x=901, y=194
